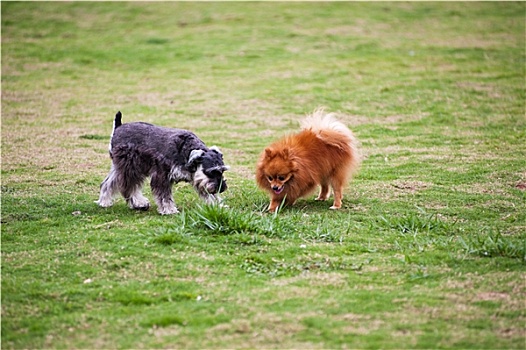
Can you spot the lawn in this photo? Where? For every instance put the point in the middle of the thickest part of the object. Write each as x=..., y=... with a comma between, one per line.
x=428, y=250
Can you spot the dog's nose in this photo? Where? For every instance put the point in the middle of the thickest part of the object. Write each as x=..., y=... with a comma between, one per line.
x=275, y=188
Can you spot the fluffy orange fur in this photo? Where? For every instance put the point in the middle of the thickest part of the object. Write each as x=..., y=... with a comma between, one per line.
x=324, y=153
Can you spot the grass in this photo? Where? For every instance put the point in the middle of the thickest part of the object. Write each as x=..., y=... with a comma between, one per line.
x=427, y=252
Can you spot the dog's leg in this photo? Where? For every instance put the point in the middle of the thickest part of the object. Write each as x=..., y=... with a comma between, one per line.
x=108, y=188
x=324, y=192
x=162, y=192
x=166, y=206
x=274, y=205
x=277, y=202
x=337, y=187
x=130, y=187
x=131, y=178
x=137, y=201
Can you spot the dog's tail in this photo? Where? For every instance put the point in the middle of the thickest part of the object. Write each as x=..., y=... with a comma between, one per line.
x=333, y=132
x=116, y=123
x=118, y=120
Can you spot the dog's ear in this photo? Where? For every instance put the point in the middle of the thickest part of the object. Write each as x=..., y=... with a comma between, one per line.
x=196, y=157
x=216, y=149
x=293, y=166
x=269, y=153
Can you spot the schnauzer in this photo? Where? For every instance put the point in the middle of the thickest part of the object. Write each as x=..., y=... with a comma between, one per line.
x=167, y=156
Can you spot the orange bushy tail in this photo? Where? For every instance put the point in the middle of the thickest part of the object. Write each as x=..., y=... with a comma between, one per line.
x=333, y=132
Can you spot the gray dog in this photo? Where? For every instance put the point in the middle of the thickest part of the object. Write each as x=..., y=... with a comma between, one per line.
x=167, y=156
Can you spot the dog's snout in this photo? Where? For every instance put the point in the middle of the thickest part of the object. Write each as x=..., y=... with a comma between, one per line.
x=275, y=188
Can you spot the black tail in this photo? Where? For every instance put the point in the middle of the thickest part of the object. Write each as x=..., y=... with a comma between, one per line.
x=117, y=121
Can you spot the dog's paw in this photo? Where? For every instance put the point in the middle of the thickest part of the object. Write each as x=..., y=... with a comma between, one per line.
x=335, y=207
x=273, y=208
x=168, y=211
x=104, y=203
x=143, y=207
x=140, y=204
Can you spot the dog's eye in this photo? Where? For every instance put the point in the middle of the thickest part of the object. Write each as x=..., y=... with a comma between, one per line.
x=213, y=173
x=281, y=178
x=269, y=178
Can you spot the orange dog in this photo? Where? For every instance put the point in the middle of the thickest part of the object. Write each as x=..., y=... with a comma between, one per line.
x=324, y=153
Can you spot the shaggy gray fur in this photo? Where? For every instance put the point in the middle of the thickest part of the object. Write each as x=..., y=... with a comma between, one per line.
x=167, y=156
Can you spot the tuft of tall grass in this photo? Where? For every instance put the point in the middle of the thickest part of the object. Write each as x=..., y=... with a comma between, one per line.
x=491, y=243
x=420, y=236
x=219, y=220
x=414, y=223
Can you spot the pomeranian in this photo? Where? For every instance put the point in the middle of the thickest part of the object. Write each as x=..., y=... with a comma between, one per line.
x=325, y=153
